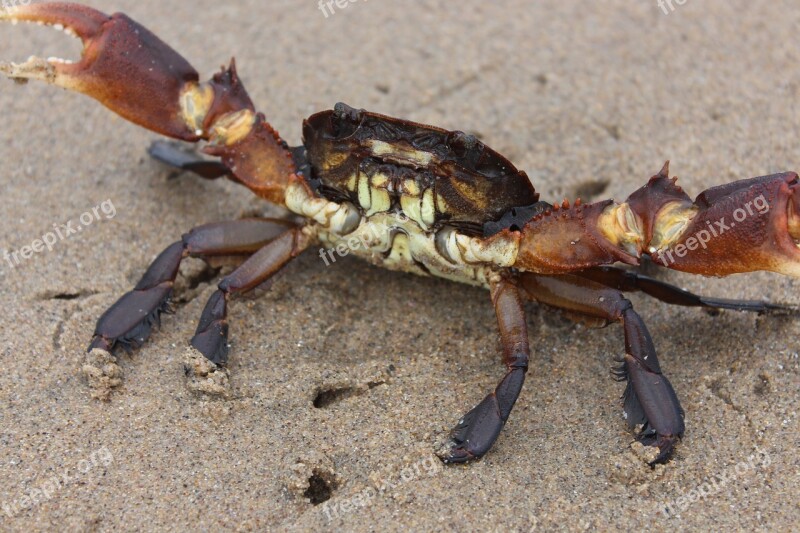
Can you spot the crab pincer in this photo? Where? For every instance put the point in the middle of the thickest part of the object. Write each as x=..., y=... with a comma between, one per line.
x=123, y=65
x=745, y=226
x=135, y=74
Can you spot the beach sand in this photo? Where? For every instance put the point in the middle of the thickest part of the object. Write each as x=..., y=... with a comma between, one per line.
x=589, y=98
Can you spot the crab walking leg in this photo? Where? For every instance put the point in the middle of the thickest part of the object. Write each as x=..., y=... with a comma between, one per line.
x=169, y=154
x=649, y=397
x=135, y=74
x=130, y=320
x=629, y=281
x=211, y=337
x=477, y=431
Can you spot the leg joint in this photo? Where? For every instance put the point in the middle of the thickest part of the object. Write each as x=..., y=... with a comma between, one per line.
x=620, y=307
x=518, y=361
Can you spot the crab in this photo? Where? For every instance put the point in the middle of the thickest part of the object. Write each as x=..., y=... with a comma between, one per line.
x=418, y=199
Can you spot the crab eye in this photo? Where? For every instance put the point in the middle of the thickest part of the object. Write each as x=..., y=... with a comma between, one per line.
x=345, y=120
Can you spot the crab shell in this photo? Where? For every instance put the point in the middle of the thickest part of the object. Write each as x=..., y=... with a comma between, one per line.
x=411, y=197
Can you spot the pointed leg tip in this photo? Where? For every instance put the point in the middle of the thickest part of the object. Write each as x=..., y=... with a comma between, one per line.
x=475, y=433
x=213, y=344
x=453, y=451
x=656, y=449
x=211, y=336
x=131, y=320
x=665, y=453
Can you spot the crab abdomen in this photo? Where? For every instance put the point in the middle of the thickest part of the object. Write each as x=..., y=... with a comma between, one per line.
x=395, y=241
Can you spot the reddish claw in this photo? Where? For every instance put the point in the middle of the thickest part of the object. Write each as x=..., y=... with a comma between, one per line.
x=744, y=226
x=139, y=77
x=123, y=65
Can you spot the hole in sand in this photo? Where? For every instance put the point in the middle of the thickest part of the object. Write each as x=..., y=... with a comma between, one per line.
x=320, y=487
x=327, y=397
x=331, y=395
x=67, y=296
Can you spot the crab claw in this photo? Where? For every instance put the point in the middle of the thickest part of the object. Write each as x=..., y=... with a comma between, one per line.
x=744, y=226
x=123, y=65
x=132, y=72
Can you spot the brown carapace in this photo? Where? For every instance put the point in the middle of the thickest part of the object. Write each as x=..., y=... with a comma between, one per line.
x=420, y=199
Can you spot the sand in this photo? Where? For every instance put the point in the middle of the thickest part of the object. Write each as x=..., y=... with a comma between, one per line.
x=344, y=378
